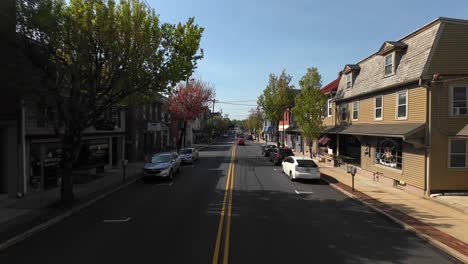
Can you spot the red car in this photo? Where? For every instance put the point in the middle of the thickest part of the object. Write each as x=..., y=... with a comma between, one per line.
x=240, y=141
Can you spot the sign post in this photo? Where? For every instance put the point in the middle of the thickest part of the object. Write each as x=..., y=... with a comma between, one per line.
x=124, y=166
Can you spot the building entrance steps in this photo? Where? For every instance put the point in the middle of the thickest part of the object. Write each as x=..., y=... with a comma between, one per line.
x=443, y=226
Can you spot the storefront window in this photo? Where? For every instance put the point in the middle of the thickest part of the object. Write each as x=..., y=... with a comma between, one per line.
x=94, y=152
x=52, y=158
x=389, y=152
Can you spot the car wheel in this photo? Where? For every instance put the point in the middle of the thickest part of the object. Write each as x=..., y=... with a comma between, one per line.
x=171, y=175
x=292, y=176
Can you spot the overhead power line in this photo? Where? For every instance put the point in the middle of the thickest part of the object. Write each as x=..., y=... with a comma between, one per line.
x=220, y=102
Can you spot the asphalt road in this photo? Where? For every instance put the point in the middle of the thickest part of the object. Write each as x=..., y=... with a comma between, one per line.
x=267, y=219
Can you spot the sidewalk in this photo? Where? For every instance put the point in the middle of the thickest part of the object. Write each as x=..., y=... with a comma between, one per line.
x=19, y=215
x=443, y=226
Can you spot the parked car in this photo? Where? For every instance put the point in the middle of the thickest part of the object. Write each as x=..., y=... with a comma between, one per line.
x=162, y=165
x=188, y=155
x=240, y=140
x=267, y=149
x=279, y=154
x=249, y=137
x=300, y=167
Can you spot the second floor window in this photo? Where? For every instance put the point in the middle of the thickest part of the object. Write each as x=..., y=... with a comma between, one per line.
x=355, y=110
x=329, y=107
x=459, y=100
x=344, y=112
x=378, y=107
x=402, y=105
x=389, y=64
x=349, y=80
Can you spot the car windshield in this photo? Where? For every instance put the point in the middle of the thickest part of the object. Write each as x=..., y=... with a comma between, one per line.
x=186, y=151
x=161, y=159
x=306, y=163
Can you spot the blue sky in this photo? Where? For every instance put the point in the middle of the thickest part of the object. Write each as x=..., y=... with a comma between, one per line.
x=245, y=40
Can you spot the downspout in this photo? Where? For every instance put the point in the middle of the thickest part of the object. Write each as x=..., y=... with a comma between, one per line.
x=428, y=140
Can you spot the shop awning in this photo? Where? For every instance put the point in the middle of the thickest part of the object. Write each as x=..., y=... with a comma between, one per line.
x=293, y=130
x=402, y=130
x=324, y=140
x=463, y=132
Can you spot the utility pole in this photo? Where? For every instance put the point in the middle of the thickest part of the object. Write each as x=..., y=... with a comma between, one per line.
x=212, y=119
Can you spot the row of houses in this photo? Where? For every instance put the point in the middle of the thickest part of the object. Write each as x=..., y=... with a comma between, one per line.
x=401, y=113
x=31, y=152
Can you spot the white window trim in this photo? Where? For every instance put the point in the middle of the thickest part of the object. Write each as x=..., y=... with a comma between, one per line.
x=375, y=108
x=396, y=105
x=451, y=100
x=329, y=108
x=393, y=64
x=351, y=80
x=450, y=153
x=357, y=111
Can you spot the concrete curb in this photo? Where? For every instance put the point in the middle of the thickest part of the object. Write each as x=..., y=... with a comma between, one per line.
x=43, y=226
x=459, y=256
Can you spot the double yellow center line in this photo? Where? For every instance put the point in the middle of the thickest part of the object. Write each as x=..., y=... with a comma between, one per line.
x=227, y=202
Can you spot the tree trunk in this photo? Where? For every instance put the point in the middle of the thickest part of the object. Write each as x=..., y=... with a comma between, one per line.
x=70, y=150
x=277, y=134
x=182, y=135
x=310, y=148
x=66, y=189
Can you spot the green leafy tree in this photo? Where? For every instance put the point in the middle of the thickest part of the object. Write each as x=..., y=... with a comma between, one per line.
x=99, y=55
x=309, y=104
x=254, y=122
x=276, y=97
x=219, y=125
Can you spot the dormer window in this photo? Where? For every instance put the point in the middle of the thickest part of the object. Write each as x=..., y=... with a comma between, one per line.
x=351, y=71
x=389, y=62
x=349, y=80
x=391, y=50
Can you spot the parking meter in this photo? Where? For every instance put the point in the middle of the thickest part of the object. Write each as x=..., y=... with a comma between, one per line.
x=124, y=166
x=353, y=171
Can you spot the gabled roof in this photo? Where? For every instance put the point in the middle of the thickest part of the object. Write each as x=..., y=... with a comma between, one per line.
x=332, y=86
x=351, y=68
x=388, y=46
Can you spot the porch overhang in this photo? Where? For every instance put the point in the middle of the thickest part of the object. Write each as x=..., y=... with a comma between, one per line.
x=463, y=132
x=403, y=130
